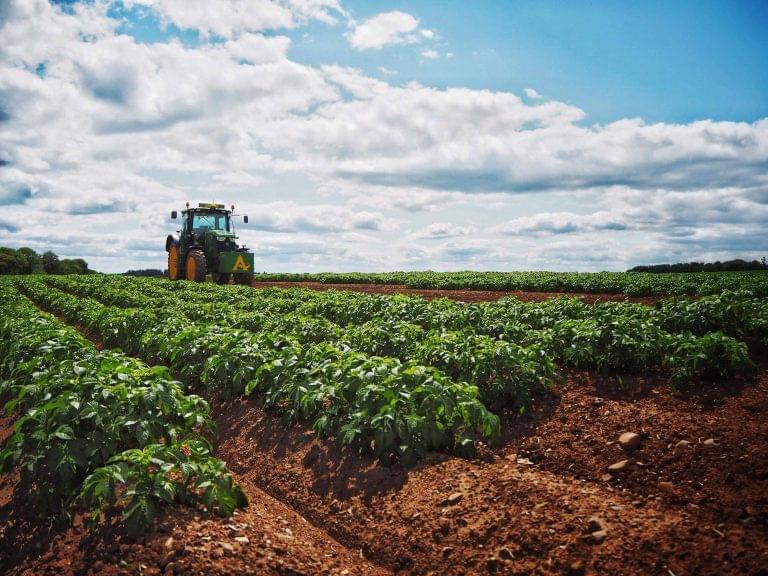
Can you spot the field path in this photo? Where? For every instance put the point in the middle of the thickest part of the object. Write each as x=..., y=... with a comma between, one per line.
x=459, y=295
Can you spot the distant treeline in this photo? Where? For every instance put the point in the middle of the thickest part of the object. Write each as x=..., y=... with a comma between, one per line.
x=27, y=261
x=727, y=266
x=150, y=272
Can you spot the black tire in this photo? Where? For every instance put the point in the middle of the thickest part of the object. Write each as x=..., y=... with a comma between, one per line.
x=221, y=278
x=195, y=268
x=243, y=279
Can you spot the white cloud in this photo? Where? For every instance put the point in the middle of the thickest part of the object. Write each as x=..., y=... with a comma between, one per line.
x=546, y=223
x=438, y=230
x=532, y=94
x=430, y=54
x=339, y=170
x=229, y=19
x=386, y=28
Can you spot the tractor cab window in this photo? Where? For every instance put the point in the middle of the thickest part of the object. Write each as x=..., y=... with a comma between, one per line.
x=203, y=222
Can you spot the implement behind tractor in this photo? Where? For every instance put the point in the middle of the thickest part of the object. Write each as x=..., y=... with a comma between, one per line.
x=206, y=244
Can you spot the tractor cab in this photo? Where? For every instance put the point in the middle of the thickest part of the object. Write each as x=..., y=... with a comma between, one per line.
x=199, y=222
x=206, y=244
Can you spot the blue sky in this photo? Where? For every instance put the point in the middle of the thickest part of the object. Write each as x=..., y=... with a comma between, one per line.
x=664, y=61
x=389, y=135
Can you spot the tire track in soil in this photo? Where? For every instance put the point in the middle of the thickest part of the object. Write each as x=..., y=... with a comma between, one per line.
x=268, y=537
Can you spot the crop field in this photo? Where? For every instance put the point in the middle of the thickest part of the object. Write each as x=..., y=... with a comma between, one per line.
x=627, y=283
x=168, y=427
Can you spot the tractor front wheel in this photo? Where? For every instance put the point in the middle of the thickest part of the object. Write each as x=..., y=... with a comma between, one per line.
x=174, y=263
x=244, y=279
x=196, y=269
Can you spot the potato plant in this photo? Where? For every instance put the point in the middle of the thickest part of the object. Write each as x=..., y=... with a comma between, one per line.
x=80, y=409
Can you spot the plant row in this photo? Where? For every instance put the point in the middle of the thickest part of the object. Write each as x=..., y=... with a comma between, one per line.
x=506, y=373
x=379, y=405
x=506, y=348
x=102, y=429
x=629, y=283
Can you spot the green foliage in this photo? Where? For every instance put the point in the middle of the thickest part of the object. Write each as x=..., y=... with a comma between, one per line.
x=27, y=261
x=350, y=363
x=78, y=407
x=712, y=355
x=13, y=262
x=135, y=480
x=631, y=284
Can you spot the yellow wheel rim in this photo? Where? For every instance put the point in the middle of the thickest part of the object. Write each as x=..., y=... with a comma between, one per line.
x=173, y=263
x=191, y=268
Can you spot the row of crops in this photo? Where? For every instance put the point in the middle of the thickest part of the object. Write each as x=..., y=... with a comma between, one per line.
x=99, y=429
x=508, y=348
x=628, y=283
x=390, y=376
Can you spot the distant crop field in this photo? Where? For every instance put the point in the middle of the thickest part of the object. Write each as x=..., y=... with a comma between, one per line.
x=628, y=283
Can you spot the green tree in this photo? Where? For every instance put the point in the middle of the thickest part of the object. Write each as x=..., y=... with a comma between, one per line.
x=51, y=263
x=34, y=263
x=11, y=262
x=74, y=266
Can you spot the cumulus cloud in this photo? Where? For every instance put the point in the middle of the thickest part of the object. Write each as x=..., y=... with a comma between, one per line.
x=101, y=135
x=564, y=223
x=385, y=29
x=438, y=230
x=233, y=17
x=430, y=54
x=290, y=217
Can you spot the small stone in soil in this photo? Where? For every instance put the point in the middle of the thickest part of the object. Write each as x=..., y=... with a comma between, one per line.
x=598, y=536
x=454, y=498
x=596, y=524
x=630, y=441
x=710, y=442
x=667, y=487
x=618, y=466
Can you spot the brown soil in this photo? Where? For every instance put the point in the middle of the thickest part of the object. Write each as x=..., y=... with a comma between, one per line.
x=266, y=538
x=459, y=295
x=524, y=507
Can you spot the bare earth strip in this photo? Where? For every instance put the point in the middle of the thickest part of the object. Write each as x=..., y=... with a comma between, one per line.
x=459, y=295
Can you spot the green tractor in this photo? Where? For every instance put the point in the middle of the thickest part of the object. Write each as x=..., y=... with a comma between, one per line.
x=206, y=245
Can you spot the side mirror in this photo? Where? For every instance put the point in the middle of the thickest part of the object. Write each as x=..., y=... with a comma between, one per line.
x=245, y=219
x=173, y=215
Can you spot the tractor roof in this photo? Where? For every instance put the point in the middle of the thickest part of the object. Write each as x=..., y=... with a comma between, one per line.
x=207, y=207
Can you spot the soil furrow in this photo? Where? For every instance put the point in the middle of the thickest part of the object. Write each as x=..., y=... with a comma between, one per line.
x=513, y=515
x=460, y=295
x=268, y=537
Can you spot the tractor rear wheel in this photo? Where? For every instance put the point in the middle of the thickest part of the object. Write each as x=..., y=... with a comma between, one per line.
x=244, y=279
x=174, y=263
x=196, y=269
x=221, y=278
